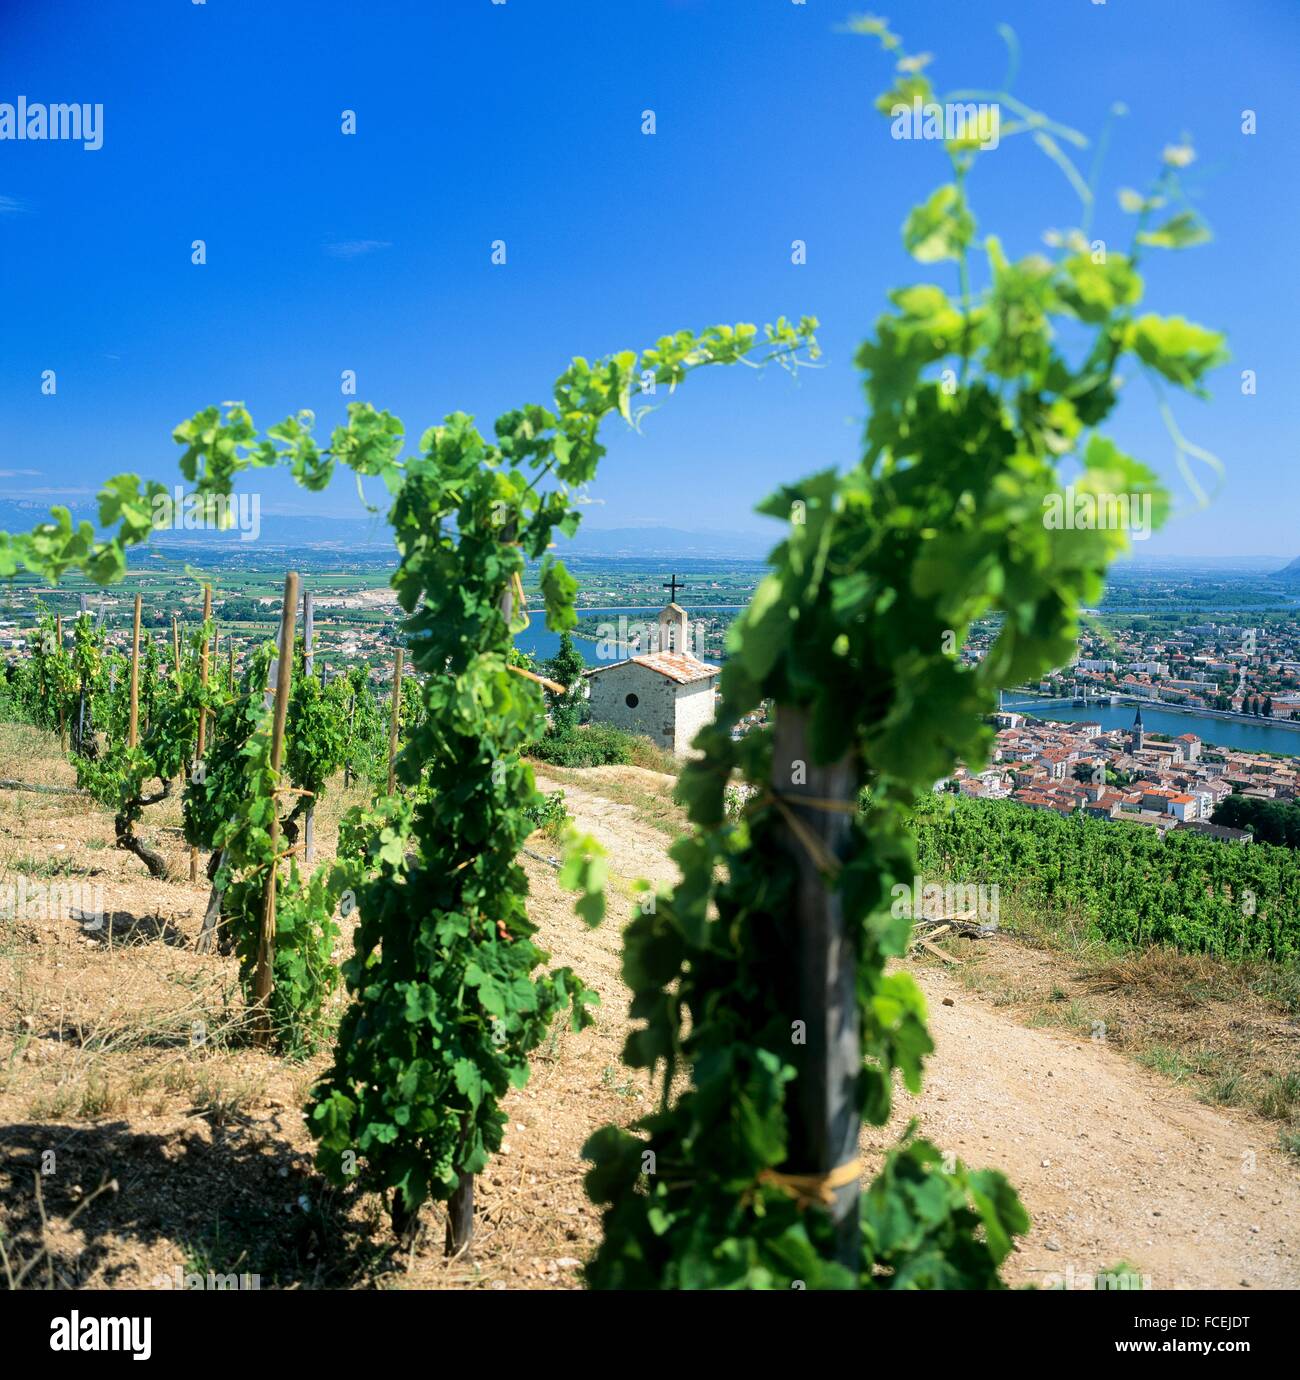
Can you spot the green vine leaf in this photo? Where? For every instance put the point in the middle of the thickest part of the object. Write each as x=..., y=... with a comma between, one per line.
x=941, y=228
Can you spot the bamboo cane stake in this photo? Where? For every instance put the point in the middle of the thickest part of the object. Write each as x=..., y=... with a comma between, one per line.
x=552, y=685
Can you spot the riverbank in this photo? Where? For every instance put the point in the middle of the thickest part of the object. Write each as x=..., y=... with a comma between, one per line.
x=539, y=641
x=1216, y=728
x=1229, y=715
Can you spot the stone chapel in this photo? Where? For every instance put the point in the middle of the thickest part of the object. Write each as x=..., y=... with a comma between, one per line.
x=667, y=693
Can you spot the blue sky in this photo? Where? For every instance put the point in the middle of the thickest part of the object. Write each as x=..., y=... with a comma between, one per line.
x=522, y=121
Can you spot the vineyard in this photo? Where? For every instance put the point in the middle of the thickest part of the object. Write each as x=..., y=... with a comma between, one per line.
x=1131, y=886
x=772, y=1014
x=135, y=726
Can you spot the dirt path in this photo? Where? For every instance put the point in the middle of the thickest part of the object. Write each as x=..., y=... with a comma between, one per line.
x=636, y=848
x=1113, y=1163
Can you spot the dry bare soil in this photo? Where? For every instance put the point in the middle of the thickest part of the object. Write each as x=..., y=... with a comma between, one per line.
x=141, y=1141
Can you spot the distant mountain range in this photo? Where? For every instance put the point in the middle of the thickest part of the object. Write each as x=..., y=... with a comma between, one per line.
x=670, y=541
x=281, y=530
x=286, y=530
x=1201, y=564
x=273, y=529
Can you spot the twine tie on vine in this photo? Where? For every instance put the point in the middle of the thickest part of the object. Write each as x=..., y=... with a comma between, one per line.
x=811, y=1190
x=826, y=860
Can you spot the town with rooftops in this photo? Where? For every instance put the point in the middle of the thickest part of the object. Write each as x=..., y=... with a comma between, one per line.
x=1077, y=740
x=1124, y=775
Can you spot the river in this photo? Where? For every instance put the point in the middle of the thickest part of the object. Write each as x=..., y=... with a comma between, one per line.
x=538, y=639
x=1254, y=735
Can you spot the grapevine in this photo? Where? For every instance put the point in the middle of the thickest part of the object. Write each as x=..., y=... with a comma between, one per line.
x=445, y=1004
x=303, y=971
x=1131, y=885
x=854, y=635
x=117, y=772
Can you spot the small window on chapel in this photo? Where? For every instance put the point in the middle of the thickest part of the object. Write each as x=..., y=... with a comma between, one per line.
x=631, y=701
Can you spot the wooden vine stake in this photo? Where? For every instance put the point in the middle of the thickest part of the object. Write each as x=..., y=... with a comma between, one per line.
x=133, y=723
x=308, y=622
x=824, y=1121
x=81, y=696
x=266, y=942
x=352, y=720
x=460, y=1206
x=309, y=823
x=176, y=659
x=395, y=721
x=201, y=744
x=58, y=640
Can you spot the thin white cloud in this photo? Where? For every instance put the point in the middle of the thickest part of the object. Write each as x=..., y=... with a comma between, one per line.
x=354, y=249
x=20, y=474
x=13, y=206
x=48, y=493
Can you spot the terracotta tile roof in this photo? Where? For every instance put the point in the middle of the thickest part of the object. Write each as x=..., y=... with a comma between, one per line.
x=681, y=667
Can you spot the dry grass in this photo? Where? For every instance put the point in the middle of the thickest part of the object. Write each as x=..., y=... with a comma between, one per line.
x=122, y=1064
x=31, y=754
x=649, y=756
x=1228, y=1030
x=644, y=790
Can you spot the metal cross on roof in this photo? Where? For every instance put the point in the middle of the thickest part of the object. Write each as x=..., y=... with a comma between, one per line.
x=672, y=587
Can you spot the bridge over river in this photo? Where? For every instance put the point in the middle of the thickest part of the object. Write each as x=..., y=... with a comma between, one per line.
x=1081, y=701
x=1246, y=734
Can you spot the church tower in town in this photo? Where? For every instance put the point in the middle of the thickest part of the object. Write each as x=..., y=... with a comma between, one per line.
x=1135, y=733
